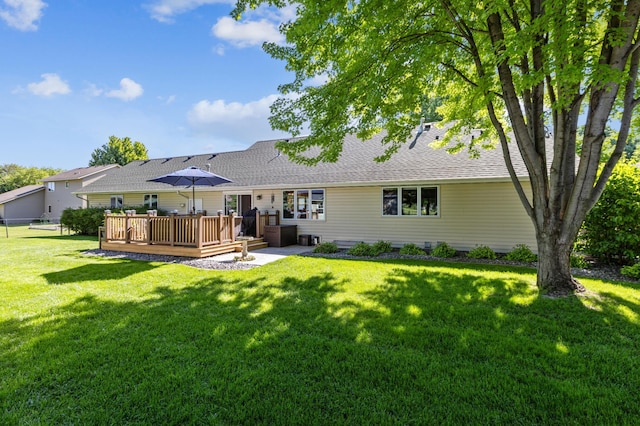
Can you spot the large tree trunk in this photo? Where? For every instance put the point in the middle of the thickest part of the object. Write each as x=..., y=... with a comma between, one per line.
x=562, y=195
x=554, y=265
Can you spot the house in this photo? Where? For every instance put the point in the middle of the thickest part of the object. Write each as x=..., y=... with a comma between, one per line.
x=421, y=195
x=61, y=188
x=22, y=205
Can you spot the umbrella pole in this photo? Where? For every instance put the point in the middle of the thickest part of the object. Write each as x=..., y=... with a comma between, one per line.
x=193, y=192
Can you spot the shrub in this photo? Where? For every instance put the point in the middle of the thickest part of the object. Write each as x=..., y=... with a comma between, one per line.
x=362, y=249
x=366, y=250
x=83, y=221
x=632, y=271
x=326, y=248
x=521, y=253
x=443, y=250
x=381, y=247
x=578, y=261
x=411, y=250
x=611, y=231
x=482, y=252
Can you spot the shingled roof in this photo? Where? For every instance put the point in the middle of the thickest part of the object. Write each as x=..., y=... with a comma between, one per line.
x=79, y=173
x=262, y=166
x=14, y=194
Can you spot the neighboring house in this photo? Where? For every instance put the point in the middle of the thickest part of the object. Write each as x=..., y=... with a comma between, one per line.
x=22, y=205
x=61, y=188
x=421, y=195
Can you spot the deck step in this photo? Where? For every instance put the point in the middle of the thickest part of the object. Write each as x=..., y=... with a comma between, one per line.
x=258, y=246
x=254, y=244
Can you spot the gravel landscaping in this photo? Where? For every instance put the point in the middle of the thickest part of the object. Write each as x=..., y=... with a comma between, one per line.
x=201, y=263
x=597, y=271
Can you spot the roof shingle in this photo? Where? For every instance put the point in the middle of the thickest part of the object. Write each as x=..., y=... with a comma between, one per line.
x=261, y=165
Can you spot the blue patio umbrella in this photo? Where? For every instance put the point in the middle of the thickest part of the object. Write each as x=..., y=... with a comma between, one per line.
x=191, y=177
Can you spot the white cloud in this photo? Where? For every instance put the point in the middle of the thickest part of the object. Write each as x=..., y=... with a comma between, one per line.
x=165, y=10
x=128, y=90
x=249, y=33
x=168, y=100
x=234, y=120
x=318, y=80
x=218, y=50
x=50, y=85
x=219, y=111
x=22, y=14
x=93, y=90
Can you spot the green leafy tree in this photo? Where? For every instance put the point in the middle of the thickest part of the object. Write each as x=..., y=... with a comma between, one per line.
x=632, y=150
x=611, y=231
x=118, y=151
x=521, y=70
x=13, y=176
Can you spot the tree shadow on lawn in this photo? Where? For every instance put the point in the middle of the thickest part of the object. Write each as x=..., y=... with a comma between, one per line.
x=111, y=270
x=426, y=346
x=75, y=237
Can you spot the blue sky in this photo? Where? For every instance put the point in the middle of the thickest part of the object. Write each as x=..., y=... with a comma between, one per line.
x=180, y=76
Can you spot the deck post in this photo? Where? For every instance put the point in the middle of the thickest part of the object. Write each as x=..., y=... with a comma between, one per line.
x=150, y=214
x=198, y=234
x=172, y=229
x=232, y=225
x=107, y=225
x=127, y=227
x=220, y=226
x=258, y=224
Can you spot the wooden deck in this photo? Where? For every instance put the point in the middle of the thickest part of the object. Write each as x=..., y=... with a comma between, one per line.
x=189, y=236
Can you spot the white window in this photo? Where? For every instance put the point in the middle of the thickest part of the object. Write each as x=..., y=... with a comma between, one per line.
x=116, y=201
x=303, y=204
x=51, y=186
x=151, y=201
x=411, y=201
x=66, y=184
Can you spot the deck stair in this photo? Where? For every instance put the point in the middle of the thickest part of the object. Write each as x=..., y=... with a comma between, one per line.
x=254, y=243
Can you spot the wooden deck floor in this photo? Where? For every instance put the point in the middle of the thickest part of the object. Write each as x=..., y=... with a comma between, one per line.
x=182, y=251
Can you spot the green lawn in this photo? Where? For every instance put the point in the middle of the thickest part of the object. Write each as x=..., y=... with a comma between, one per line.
x=85, y=340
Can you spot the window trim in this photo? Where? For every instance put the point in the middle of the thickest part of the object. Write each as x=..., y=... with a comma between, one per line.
x=308, y=205
x=119, y=196
x=399, y=190
x=144, y=201
x=237, y=194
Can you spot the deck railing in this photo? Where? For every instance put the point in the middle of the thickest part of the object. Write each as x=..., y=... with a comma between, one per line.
x=266, y=219
x=180, y=230
x=175, y=230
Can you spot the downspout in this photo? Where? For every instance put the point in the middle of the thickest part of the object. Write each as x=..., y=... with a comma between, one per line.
x=83, y=199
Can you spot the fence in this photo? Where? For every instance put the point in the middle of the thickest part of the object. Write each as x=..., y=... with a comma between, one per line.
x=48, y=224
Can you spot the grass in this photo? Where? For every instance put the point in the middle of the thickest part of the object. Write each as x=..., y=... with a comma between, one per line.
x=86, y=340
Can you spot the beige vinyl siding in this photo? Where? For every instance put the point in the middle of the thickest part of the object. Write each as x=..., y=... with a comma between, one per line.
x=468, y=217
x=471, y=214
x=99, y=200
